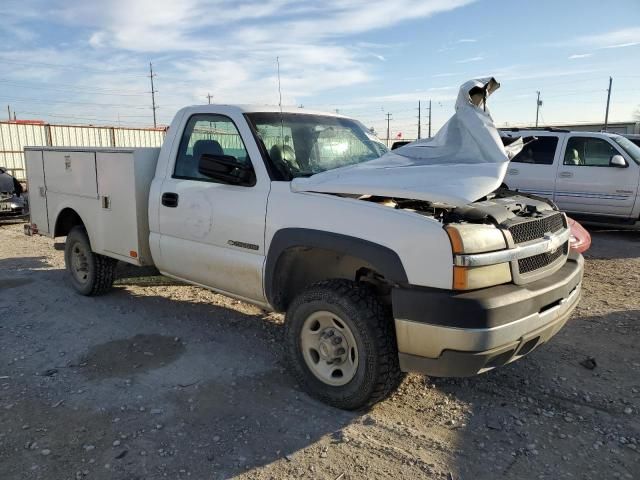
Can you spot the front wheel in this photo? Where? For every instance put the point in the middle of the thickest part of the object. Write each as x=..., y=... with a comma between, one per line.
x=90, y=273
x=342, y=344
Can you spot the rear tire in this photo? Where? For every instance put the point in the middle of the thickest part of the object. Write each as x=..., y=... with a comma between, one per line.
x=342, y=344
x=90, y=274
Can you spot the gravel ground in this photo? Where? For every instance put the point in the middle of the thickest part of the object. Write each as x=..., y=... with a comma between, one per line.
x=163, y=380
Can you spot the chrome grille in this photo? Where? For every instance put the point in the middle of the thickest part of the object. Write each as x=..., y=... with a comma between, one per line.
x=533, y=229
x=530, y=264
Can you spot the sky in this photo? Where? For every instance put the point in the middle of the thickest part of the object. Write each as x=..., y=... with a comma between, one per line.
x=83, y=62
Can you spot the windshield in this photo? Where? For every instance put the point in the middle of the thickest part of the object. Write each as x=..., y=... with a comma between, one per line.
x=628, y=146
x=300, y=145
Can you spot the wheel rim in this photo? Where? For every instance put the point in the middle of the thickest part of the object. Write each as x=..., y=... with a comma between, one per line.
x=80, y=262
x=329, y=348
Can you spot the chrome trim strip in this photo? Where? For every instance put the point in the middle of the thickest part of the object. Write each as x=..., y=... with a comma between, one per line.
x=549, y=243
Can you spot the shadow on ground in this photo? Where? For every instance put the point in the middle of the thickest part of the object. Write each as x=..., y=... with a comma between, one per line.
x=153, y=384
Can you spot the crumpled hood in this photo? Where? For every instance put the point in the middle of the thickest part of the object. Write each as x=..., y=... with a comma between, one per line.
x=465, y=161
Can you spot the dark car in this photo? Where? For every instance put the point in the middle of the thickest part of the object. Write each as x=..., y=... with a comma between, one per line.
x=12, y=197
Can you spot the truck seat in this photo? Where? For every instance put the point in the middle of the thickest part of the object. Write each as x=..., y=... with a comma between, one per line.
x=189, y=168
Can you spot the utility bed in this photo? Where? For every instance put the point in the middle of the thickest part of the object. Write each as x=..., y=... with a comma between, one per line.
x=110, y=186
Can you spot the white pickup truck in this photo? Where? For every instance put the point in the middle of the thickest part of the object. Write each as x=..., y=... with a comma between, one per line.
x=595, y=177
x=267, y=205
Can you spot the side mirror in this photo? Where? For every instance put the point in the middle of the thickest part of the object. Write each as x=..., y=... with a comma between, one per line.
x=226, y=169
x=618, y=161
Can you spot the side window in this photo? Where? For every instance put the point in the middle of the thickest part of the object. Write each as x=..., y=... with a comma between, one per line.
x=538, y=150
x=589, y=152
x=207, y=133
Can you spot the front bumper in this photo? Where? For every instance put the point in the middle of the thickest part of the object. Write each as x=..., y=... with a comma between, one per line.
x=12, y=206
x=458, y=334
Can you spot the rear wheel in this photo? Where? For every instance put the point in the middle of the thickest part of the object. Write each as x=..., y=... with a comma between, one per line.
x=90, y=273
x=342, y=345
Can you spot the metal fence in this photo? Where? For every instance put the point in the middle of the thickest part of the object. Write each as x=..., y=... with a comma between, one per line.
x=14, y=136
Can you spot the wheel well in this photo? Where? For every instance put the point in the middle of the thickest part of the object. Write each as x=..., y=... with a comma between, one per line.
x=300, y=267
x=67, y=219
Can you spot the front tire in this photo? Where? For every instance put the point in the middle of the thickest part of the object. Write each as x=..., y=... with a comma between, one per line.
x=342, y=345
x=90, y=274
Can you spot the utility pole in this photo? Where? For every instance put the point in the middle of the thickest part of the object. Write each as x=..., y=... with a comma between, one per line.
x=9, y=111
x=388, y=131
x=429, y=118
x=419, y=120
x=606, y=115
x=538, y=105
x=153, y=95
x=209, y=97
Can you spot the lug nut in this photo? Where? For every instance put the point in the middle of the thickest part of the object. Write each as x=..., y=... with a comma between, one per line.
x=337, y=340
x=341, y=351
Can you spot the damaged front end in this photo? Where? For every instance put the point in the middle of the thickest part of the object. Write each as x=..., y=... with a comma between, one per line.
x=456, y=178
x=504, y=237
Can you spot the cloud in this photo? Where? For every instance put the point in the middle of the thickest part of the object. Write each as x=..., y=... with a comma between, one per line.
x=467, y=40
x=470, y=60
x=622, y=45
x=626, y=37
x=224, y=47
x=579, y=55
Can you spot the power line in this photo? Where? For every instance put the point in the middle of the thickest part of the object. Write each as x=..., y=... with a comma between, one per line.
x=153, y=94
x=388, y=126
x=606, y=115
x=419, y=121
x=70, y=66
x=429, y=118
x=74, y=89
x=87, y=118
x=46, y=101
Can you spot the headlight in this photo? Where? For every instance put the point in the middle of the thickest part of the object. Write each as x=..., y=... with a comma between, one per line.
x=475, y=238
x=471, y=278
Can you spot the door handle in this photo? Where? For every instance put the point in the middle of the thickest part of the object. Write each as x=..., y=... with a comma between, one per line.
x=513, y=171
x=565, y=175
x=170, y=199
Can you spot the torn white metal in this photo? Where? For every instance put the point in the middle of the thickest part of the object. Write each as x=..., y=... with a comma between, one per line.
x=465, y=161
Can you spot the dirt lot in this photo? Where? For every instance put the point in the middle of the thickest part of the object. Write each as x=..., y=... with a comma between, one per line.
x=162, y=380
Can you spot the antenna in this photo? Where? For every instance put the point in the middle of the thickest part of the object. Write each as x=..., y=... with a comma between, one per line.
x=280, y=105
x=279, y=88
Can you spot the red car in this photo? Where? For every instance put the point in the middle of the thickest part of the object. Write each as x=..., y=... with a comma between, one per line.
x=580, y=240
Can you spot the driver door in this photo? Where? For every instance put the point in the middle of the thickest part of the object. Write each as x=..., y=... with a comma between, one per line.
x=212, y=233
